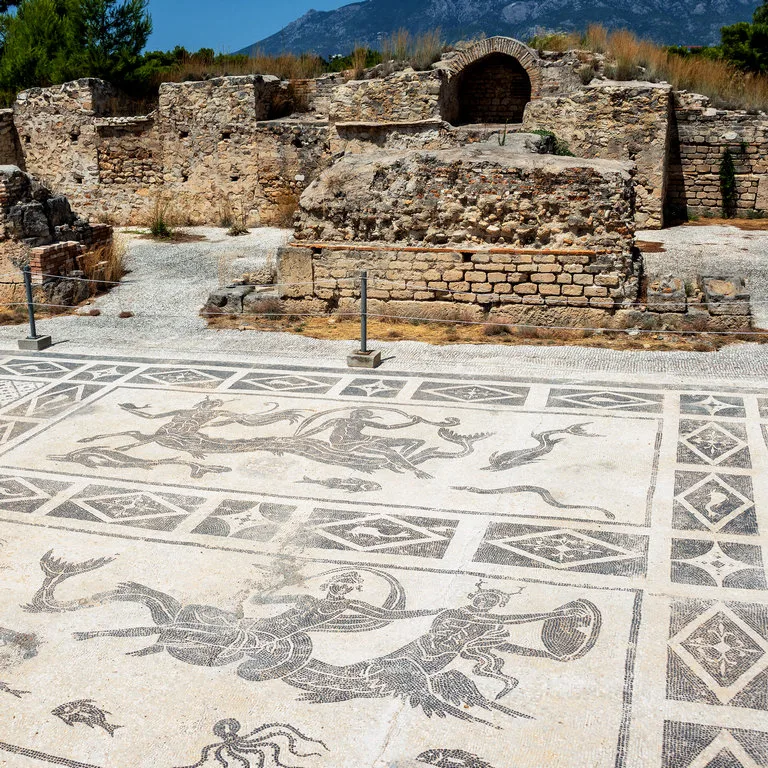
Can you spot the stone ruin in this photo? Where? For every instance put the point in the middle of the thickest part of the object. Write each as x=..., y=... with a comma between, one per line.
x=260, y=145
x=485, y=234
x=38, y=228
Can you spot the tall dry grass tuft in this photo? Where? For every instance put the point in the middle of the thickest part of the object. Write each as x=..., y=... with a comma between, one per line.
x=359, y=59
x=625, y=51
x=421, y=51
x=630, y=57
x=397, y=46
x=107, y=263
x=427, y=49
x=596, y=38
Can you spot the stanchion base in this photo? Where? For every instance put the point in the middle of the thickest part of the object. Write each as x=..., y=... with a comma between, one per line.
x=36, y=344
x=364, y=360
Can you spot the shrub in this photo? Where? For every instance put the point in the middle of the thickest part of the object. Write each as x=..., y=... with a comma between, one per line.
x=159, y=222
x=555, y=41
x=586, y=73
x=559, y=146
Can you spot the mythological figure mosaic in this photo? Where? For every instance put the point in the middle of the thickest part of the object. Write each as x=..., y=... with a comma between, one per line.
x=218, y=565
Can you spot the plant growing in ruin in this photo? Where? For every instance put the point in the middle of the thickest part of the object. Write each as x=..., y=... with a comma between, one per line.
x=159, y=223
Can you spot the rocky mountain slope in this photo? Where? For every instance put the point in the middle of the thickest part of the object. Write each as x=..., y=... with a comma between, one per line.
x=688, y=22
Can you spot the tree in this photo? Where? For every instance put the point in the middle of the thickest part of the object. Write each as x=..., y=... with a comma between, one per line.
x=34, y=40
x=745, y=44
x=106, y=38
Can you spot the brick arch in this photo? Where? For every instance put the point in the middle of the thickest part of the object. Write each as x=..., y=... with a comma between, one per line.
x=527, y=57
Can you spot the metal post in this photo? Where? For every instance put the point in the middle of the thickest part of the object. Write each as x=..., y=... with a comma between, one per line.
x=30, y=304
x=364, y=358
x=33, y=341
x=364, y=312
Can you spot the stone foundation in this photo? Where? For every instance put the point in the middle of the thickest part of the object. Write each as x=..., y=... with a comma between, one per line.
x=621, y=121
x=480, y=225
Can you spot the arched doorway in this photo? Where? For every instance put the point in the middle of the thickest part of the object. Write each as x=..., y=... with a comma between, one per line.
x=493, y=89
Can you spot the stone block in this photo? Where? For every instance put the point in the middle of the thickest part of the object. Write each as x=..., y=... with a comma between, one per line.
x=294, y=272
x=667, y=294
x=726, y=295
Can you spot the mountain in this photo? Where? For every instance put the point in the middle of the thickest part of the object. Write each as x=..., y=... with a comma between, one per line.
x=687, y=22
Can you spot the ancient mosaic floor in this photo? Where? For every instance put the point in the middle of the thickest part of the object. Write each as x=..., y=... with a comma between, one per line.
x=227, y=565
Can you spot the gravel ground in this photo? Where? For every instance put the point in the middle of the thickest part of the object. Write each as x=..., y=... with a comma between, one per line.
x=168, y=284
x=715, y=250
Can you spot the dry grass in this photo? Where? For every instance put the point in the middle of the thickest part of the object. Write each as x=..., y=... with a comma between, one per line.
x=106, y=262
x=629, y=58
x=286, y=66
x=359, y=59
x=420, y=51
x=726, y=85
x=596, y=38
x=449, y=333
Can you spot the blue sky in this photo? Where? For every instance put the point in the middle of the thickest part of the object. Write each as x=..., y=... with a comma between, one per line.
x=224, y=25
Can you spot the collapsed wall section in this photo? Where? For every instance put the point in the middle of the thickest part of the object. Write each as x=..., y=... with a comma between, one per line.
x=621, y=121
x=479, y=225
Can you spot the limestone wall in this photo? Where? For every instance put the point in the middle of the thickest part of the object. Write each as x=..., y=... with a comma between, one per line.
x=701, y=134
x=210, y=146
x=404, y=96
x=9, y=143
x=621, y=121
x=478, y=225
x=57, y=133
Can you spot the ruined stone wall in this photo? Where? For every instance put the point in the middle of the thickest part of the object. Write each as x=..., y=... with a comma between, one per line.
x=478, y=225
x=10, y=153
x=404, y=96
x=701, y=134
x=210, y=147
x=57, y=134
x=621, y=121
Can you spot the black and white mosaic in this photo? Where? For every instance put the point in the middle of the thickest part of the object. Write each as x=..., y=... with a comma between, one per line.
x=496, y=394
x=245, y=519
x=281, y=382
x=376, y=388
x=27, y=495
x=138, y=508
x=188, y=549
x=690, y=745
x=718, y=653
x=713, y=405
x=605, y=400
x=53, y=401
x=563, y=549
x=714, y=502
x=197, y=378
x=719, y=444
x=717, y=564
x=400, y=534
